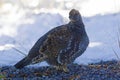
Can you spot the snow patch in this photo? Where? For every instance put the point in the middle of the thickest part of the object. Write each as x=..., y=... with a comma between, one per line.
x=94, y=44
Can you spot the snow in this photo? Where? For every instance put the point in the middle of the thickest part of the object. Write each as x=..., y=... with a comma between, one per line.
x=93, y=7
x=20, y=30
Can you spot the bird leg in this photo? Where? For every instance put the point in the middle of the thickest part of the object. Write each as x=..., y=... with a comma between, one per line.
x=62, y=68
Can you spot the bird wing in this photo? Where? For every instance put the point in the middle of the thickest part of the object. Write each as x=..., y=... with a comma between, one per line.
x=55, y=41
x=35, y=50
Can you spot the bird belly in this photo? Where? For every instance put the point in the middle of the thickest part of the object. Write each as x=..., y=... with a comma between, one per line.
x=75, y=49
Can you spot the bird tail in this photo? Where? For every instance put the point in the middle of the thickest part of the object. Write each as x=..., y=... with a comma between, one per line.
x=24, y=62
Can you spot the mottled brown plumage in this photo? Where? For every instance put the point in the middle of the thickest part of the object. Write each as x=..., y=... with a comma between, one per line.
x=61, y=45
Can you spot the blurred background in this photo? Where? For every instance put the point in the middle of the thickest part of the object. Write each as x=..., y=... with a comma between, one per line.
x=23, y=22
x=86, y=7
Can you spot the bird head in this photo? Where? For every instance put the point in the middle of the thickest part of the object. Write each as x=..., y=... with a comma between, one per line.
x=75, y=16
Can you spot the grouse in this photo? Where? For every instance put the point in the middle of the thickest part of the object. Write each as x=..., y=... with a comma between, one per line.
x=60, y=46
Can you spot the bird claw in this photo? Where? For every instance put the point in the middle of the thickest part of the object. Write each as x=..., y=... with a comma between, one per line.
x=66, y=70
x=62, y=68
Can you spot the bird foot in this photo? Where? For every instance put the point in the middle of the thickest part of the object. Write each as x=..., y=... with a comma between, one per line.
x=66, y=70
x=62, y=68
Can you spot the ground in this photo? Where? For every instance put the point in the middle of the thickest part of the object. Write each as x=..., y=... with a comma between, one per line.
x=104, y=70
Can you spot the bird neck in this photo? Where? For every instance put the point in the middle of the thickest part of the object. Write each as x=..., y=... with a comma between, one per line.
x=77, y=24
x=77, y=28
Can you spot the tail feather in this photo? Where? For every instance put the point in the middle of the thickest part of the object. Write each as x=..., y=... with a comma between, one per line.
x=24, y=62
